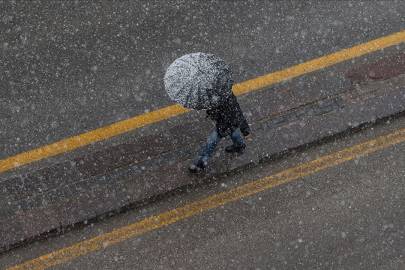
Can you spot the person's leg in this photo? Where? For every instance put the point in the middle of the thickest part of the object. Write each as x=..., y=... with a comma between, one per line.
x=238, y=143
x=237, y=139
x=209, y=148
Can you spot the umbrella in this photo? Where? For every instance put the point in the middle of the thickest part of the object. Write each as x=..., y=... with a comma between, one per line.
x=198, y=81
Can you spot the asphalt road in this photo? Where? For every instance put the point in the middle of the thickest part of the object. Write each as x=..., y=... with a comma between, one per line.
x=71, y=67
x=350, y=216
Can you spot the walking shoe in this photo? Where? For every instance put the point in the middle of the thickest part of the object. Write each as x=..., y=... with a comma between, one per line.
x=196, y=168
x=233, y=148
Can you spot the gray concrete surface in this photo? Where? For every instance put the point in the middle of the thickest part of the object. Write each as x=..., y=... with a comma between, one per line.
x=70, y=67
x=65, y=194
x=89, y=65
x=346, y=217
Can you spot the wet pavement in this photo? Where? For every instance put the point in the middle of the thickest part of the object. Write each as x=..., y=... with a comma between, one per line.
x=349, y=216
x=153, y=162
x=70, y=67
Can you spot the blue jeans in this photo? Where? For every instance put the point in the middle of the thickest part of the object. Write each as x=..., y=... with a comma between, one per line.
x=212, y=142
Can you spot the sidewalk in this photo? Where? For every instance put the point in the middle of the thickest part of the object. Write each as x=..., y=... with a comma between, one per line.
x=283, y=117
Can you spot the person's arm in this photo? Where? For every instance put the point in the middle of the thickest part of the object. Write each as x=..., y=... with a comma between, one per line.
x=240, y=118
x=243, y=124
x=244, y=127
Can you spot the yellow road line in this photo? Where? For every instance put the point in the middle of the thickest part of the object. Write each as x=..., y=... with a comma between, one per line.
x=90, y=137
x=161, y=114
x=319, y=63
x=198, y=207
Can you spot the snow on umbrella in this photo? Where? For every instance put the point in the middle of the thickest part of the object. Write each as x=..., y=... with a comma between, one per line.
x=198, y=81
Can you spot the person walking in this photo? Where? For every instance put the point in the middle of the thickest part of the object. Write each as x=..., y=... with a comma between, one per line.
x=228, y=117
x=202, y=81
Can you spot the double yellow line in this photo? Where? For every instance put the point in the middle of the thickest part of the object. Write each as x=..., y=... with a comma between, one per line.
x=161, y=114
x=198, y=207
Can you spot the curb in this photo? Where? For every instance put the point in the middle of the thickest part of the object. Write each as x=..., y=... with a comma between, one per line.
x=53, y=199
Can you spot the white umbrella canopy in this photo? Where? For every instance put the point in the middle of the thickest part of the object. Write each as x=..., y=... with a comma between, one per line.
x=198, y=81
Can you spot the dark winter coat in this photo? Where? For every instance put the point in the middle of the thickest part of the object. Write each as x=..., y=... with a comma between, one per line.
x=228, y=117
